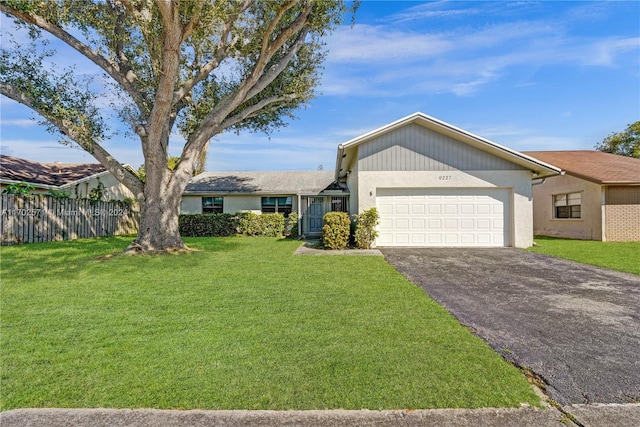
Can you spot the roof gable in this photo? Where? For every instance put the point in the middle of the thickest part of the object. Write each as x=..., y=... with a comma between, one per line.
x=348, y=152
x=594, y=166
x=417, y=148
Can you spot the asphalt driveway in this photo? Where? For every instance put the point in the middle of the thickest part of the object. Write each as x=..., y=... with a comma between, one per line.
x=574, y=325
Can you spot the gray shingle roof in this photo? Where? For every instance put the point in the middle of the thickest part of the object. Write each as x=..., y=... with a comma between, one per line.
x=260, y=182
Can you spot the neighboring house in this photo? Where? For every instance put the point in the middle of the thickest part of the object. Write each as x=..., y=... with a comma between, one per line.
x=433, y=184
x=311, y=194
x=597, y=198
x=76, y=178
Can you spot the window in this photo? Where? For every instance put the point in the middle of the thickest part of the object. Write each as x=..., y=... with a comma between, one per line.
x=282, y=205
x=212, y=205
x=339, y=204
x=567, y=205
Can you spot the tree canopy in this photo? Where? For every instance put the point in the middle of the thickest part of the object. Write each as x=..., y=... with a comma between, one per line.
x=625, y=143
x=196, y=67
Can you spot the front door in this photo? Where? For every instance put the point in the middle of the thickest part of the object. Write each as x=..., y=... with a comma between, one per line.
x=315, y=213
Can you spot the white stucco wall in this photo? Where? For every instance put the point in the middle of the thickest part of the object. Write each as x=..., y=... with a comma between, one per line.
x=232, y=203
x=589, y=227
x=518, y=182
x=191, y=205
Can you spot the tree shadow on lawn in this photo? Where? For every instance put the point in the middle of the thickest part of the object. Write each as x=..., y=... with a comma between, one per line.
x=65, y=258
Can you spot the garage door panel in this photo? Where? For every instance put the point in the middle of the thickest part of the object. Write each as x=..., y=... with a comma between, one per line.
x=434, y=209
x=467, y=209
x=419, y=224
x=443, y=217
x=402, y=224
x=467, y=224
x=419, y=239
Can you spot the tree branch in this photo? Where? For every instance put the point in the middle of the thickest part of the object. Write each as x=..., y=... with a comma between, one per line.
x=266, y=104
x=111, y=68
x=279, y=67
x=68, y=129
x=219, y=55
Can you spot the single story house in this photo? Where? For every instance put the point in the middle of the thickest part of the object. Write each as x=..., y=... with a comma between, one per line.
x=76, y=178
x=309, y=193
x=597, y=198
x=432, y=183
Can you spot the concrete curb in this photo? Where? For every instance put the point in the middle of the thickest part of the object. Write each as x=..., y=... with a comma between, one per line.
x=486, y=417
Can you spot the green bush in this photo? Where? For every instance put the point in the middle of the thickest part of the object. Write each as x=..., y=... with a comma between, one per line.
x=208, y=225
x=291, y=225
x=59, y=194
x=251, y=224
x=335, y=230
x=19, y=188
x=366, y=232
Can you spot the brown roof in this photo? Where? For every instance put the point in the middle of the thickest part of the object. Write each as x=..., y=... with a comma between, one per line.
x=55, y=174
x=595, y=166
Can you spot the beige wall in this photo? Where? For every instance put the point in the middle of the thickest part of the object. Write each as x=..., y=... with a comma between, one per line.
x=622, y=214
x=518, y=182
x=589, y=227
x=191, y=205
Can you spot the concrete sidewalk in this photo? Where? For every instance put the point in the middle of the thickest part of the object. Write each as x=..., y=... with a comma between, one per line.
x=618, y=415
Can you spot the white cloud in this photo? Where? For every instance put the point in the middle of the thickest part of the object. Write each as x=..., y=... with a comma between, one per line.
x=23, y=123
x=386, y=61
x=378, y=45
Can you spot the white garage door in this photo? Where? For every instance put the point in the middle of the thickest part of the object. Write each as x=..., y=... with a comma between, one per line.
x=443, y=217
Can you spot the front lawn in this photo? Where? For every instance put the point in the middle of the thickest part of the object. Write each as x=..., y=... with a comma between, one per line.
x=239, y=324
x=621, y=256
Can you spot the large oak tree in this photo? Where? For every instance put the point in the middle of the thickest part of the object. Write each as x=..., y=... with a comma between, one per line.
x=199, y=66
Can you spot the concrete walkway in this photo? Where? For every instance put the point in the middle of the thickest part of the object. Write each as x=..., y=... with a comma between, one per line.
x=310, y=248
x=627, y=415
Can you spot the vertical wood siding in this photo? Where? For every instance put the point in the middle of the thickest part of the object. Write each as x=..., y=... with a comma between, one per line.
x=41, y=218
x=416, y=148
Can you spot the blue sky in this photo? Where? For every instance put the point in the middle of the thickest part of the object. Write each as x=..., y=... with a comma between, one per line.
x=541, y=75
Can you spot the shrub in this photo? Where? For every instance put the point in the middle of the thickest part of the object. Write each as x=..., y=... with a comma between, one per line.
x=291, y=225
x=59, y=194
x=366, y=232
x=19, y=188
x=251, y=224
x=335, y=230
x=207, y=225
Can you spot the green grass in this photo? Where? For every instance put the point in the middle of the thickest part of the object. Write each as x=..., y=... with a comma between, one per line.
x=239, y=324
x=621, y=256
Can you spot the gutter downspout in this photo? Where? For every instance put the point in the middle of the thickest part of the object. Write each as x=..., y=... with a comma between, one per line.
x=542, y=181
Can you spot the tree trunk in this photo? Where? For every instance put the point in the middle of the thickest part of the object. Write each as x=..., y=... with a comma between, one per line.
x=159, y=229
x=160, y=209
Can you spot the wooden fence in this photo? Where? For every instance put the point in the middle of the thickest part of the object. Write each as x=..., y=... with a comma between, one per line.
x=41, y=218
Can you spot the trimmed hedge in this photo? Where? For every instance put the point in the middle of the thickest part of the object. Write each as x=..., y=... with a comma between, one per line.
x=336, y=230
x=248, y=223
x=208, y=225
x=251, y=224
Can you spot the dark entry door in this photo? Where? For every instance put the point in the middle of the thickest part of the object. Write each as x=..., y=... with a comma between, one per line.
x=315, y=212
